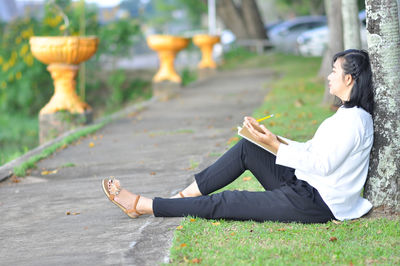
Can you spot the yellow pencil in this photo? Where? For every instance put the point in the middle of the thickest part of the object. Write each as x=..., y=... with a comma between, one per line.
x=261, y=119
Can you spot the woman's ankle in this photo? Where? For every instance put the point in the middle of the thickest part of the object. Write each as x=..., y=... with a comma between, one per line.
x=145, y=206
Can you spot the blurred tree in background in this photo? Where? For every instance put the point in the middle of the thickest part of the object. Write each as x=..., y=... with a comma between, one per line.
x=243, y=18
x=301, y=7
x=181, y=14
x=306, y=7
x=195, y=9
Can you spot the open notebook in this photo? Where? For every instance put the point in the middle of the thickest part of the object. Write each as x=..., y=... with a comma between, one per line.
x=243, y=132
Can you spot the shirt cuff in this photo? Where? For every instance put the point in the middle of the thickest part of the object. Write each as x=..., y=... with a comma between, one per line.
x=283, y=155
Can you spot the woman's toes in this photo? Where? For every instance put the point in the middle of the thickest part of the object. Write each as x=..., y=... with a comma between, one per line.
x=117, y=184
x=113, y=186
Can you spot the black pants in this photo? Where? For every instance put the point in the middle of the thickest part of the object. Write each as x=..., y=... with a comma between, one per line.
x=285, y=199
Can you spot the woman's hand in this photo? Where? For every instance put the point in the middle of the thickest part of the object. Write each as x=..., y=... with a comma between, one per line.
x=261, y=133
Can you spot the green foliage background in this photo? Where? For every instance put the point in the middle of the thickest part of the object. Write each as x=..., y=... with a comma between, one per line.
x=26, y=85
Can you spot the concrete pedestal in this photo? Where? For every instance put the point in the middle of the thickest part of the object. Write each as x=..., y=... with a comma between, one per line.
x=55, y=124
x=166, y=90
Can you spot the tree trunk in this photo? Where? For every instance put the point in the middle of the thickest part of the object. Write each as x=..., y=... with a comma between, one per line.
x=351, y=25
x=317, y=7
x=243, y=19
x=335, y=45
x=253, y=21
x=231, y=16
x=383, y=35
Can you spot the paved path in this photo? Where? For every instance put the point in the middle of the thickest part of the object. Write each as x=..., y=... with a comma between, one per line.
x=152, y=152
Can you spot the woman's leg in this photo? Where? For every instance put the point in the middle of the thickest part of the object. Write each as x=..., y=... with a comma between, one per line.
x=243, y=156
x=292, y=202
x=190, y=191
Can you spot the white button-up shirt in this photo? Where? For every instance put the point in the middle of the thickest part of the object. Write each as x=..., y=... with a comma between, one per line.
x=335, y=161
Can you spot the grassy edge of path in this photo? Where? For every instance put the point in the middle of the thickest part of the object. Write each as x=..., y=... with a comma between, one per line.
x=21, y=169
x=295, y=101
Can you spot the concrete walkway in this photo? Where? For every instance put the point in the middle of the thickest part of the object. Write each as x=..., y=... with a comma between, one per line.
x=154, y=152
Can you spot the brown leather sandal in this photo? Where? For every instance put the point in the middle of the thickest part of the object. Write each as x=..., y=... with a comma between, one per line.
x=133, y=213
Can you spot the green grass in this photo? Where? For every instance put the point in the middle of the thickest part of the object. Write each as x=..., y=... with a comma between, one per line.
x=18, y=134
x=188, y=76
x=295, y=100
x=223, y=242
x=21, y=169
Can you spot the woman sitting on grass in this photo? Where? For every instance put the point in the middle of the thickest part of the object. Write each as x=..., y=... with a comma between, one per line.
x=311, y=182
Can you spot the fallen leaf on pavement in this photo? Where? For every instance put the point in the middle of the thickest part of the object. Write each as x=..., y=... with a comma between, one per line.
x=49, y=172
x=15, y=179
x=72, y=213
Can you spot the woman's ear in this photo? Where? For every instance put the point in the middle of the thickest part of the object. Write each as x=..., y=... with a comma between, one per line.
x=348, y=79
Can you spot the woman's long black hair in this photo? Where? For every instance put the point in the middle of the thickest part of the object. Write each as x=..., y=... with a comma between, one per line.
x=357, y=64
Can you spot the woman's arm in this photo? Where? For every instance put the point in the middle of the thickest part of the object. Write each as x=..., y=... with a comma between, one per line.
x=329, y=149
x=261, y=133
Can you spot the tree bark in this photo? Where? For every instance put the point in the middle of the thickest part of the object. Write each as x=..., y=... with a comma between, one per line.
x=335, y=45
x=231, y=16
x=383, y=36
x=351, y=25
x=253, y=21
x=243, y=19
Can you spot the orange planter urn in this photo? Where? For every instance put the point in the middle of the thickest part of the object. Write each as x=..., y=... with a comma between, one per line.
x=167, y=47
x=206, y=43
x=63, y=55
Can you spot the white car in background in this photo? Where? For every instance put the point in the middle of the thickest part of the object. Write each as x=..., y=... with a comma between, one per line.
x=315, y=42
x=283, y=35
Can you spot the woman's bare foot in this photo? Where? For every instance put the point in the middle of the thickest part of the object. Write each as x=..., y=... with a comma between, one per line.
x=191, y=191
x=128, y=199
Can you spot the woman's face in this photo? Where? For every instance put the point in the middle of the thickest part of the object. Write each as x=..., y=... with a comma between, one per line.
x=339, y=84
